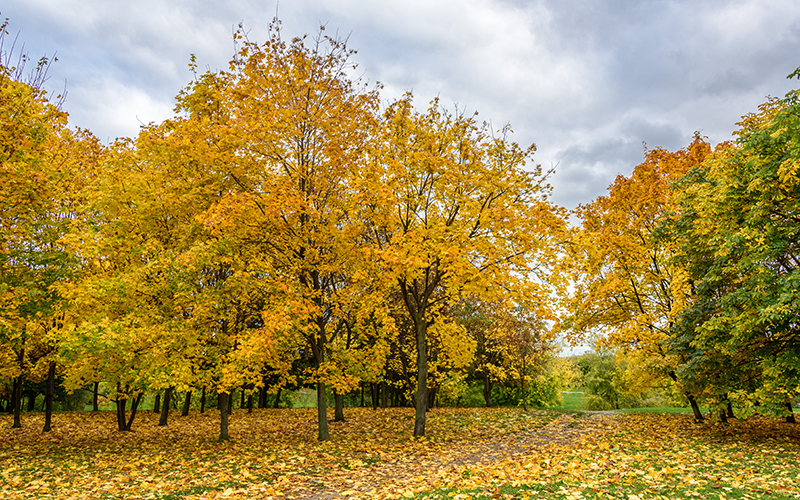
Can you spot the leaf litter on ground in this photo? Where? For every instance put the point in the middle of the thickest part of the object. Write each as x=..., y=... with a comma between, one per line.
x=470, y=453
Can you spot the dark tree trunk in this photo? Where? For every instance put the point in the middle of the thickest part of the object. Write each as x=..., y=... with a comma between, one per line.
x=790, y=417
x=277, y=402
x=48, y=396
x=695, y=408
x=95, y=396
x=242, y=403
x=203, y=400
x=17, y=402
x=157, y=404
x=384, y=394
x=162, y=421
x=262, y=396
x=730, y=411
x=362, y=394
x=135, y=407
x=488, y=383
x=723, y=417
x=338, y=413
x=187, y=403
x=374, y=393
x=322, y=413
x=223, y=402
x=31, y=401
x=122, y=401
x=250, y=403
x=422, y=376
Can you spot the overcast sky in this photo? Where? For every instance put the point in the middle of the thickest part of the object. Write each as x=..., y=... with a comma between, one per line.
x=588, y=81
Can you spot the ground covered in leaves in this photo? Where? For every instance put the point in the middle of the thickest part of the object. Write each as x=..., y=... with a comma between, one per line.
x=469, y=454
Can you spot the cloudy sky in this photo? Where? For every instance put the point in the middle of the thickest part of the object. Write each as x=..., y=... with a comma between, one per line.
x=588, y=81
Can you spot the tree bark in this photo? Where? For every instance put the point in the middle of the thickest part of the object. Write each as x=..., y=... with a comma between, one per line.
x=224, y=402
x=730, y=411
x=262, y=396
x=157, y=404
x=250, y=403
x=203, y=400
x=17, y=402
x=122, y=402
x=134, y=407
x=187, y=402
x=162, y=421
x=374, y=394
x=31, y=401
x=487, y=390
x=384, y=394
x=242, y=403
x=322, y=413
x=790, y=417
x=695, y=408
x=277, y=402
x=48, y=396
x=95, y=396
x=338, y=413
x=422, y=376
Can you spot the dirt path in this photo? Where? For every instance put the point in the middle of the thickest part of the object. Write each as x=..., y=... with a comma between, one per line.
x=372, y=481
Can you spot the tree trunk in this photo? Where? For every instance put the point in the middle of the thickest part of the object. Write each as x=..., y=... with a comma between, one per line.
x=362, y=394
x=48, y=396
x=384, y=394
x=790, y=417
x=487, y=390
x=31, y=401
x=203, y=400
x=374, y=394
x=723, y=417
x=250, y=403
x=522, y=377
x=122, y=401
x=338, y=413
x=135, y=406
x=95, y=396
x=224, y=402
x=157, y=404
x=187, y=402
x=162, y=421
x=17, y=402
x=262, y=396
x=242, y=403
x=695, y=408
x=277, y=402
x=422, y=376
x=730, y=411
x=322, y=413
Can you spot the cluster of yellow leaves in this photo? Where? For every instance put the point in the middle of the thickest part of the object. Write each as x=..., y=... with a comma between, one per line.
x=477, y=453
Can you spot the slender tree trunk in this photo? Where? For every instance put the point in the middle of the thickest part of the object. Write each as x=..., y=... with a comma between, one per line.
x=187, y=402
x=487, y=390
x=374, y=394
x=134, y=407
x=203, y=400
x=122, y=402
x=790, y=417
x=422, y=376
x=48, y=396
x=384, y=394
x=224, y=402
x=162, y=421
x=242, y=403
x=723, y=417
x=17, y=402
x=522, y=376
x=322, y=413
x=730, y=411
x=157, y=404
x=362, y=394
x=31, y=401
x=277, y=402
x=95, y=396
x=338, y=413
x=695, y=408
x=262, y=396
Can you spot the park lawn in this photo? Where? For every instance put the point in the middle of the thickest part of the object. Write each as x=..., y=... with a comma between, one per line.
x=372, y=455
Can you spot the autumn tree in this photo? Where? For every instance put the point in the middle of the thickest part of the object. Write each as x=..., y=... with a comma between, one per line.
x=738, y=237
x=626, y=283
x=458, y=216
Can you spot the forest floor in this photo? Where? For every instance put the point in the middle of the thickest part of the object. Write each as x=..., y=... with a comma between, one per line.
x=468, y=454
